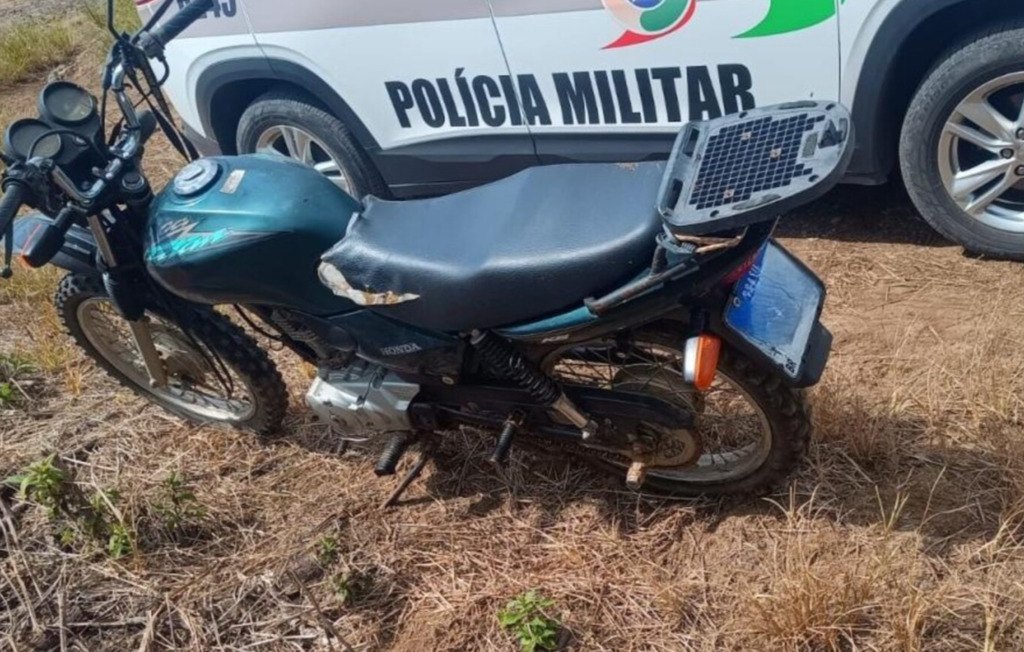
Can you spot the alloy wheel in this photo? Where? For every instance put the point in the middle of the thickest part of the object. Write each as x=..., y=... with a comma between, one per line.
x=981, y=153
x=299, y=145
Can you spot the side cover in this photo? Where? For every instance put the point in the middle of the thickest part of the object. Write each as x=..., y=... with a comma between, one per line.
x=248, y=230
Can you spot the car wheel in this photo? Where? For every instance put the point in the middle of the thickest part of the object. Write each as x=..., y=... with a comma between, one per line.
x=291, y=124
x=962, y=146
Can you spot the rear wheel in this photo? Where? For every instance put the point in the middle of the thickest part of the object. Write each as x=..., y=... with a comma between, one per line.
x=216, y=373
x=752, y=430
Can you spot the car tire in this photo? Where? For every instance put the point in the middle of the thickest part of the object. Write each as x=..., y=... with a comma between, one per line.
x=283, y=121
x=939, y=143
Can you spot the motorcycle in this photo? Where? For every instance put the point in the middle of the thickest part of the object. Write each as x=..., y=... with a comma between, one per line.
x=637, y=316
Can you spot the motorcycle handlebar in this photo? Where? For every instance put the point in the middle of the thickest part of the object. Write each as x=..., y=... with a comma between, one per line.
x=154, y=41
x=14, y=195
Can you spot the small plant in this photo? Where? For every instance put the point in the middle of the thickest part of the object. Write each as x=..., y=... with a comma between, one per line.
x=11, y=367
x=75, y=518
x=67, y=536
x=327, y=550
x=352, y=586
x=119, y=543
x=6, y=394
x=44, y=483
x=179, y=505
x=525, y=618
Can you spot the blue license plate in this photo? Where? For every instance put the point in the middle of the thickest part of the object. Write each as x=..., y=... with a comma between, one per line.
x=774, y=308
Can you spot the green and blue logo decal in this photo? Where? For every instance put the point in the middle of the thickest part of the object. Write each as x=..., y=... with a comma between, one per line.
x=649, y=20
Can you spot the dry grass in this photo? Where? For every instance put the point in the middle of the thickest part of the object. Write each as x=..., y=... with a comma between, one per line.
x=31, y=46
x=902, y=532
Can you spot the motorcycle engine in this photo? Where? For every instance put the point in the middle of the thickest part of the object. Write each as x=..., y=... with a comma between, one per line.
x=362, y=401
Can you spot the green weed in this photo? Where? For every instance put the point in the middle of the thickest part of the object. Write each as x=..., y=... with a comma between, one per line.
x=43, y=483
x=6, y=395
x=178, y=506
x=327, y=550
x=75, y=518
x=526, y=618
x=352, y=586
x=119, y=543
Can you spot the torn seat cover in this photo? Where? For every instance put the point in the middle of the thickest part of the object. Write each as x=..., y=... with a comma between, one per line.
x=519, y=249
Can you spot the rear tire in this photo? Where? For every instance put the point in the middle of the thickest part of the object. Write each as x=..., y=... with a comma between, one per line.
x=781, y=412
x=267, y=393
x=789, y=416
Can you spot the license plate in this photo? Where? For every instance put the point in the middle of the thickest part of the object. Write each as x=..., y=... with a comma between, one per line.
x=774, y=307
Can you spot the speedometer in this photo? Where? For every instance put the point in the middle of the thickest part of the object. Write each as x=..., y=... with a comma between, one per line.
x=66, y=104
x=22, y=134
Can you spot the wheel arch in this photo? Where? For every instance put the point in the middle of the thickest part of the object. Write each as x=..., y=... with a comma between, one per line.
x=226, y=89
x=908, y=44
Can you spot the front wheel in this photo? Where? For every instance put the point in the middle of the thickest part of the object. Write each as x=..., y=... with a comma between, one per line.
x=751, y=431
x=216, y=374
x=290, y=124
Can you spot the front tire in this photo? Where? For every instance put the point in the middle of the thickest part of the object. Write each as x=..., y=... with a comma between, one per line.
x=292, y=124
x=962, y=148
x=250, y=396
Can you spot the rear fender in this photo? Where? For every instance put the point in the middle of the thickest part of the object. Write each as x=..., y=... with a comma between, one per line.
x=78, y=253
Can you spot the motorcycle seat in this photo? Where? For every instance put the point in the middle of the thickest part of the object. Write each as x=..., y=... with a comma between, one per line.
x=521, y=248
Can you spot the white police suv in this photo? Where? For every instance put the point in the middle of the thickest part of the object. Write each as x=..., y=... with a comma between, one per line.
x=407, y=97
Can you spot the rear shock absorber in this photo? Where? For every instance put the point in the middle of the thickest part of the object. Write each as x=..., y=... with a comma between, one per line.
x=513, y=365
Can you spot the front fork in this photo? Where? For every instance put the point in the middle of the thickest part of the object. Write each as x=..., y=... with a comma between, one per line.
x=139, y=327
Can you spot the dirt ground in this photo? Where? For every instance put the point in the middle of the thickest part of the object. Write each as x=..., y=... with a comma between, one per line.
x=901, y=532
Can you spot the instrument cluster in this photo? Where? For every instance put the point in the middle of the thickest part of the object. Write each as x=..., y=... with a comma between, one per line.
x=67, y=130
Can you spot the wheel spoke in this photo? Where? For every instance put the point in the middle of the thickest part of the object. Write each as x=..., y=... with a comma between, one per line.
x=980, y=111
x=979, y=204
x=334, y=173
x=328, y=168
x=107, y=332
x=967, y=182
x=297, y=144
x=977, y=138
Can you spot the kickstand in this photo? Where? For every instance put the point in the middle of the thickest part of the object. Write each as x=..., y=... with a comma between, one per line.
x=426, y=454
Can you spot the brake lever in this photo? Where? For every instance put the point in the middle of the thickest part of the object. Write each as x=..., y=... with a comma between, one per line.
x=6, y=272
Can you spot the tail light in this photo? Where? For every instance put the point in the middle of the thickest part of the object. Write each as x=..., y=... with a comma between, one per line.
x=735, y=275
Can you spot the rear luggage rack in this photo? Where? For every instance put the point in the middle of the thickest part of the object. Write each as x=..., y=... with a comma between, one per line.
x=734, y=171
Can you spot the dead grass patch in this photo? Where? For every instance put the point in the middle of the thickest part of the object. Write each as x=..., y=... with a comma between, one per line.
x=30, y=47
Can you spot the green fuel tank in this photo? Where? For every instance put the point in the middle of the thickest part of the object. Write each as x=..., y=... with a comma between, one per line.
x=248, y=230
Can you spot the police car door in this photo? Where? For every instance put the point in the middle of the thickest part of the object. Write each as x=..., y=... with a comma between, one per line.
x=615, y=79
x=428, y=80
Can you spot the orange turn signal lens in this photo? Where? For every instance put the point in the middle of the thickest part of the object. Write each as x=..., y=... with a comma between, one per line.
x=701, y=360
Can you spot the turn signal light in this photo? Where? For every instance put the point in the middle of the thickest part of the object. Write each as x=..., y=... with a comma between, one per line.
x=700, y=363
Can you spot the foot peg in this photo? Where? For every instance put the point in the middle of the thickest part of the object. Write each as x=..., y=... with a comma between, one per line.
x=508, y=432
x=392, y=454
